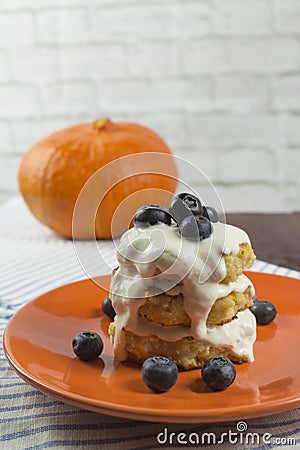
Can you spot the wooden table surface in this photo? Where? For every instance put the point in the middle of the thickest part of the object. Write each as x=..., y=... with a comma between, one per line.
x=275, y=237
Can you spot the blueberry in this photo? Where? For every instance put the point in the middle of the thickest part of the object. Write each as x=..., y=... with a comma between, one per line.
x=265, y=312
x=159, y=373
x=218, y=373
x=192, y=202
x=151, y=215
x=87, y=345
x=184, y=205
x=211, y=214
x=108, y=308
x=195, y=228
x=255, y=299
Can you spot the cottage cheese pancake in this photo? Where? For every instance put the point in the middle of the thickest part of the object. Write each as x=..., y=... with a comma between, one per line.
x=170, y=290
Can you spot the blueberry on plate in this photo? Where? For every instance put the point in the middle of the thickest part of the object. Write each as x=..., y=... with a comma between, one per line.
x=211, y=214
x=108, y=308
x=184, y=205
x=159, y=373
x=265, y=312
x=87, y=345
x=151, y=215
x=255, y=300
x=195, y=228
x=218, y=373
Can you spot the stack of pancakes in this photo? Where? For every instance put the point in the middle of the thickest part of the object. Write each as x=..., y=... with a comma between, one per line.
x=165, y=321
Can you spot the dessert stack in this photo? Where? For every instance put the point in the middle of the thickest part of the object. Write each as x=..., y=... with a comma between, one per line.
x=179, y=290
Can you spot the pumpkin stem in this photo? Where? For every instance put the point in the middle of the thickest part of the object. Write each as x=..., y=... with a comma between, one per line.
x=102, y=123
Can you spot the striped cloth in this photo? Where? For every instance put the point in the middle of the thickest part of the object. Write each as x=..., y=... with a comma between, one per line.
x=35, y=261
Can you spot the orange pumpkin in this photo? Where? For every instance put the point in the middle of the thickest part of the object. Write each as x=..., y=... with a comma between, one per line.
x=106, y=169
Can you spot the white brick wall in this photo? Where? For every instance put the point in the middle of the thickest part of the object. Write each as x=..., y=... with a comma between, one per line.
x=218, y=79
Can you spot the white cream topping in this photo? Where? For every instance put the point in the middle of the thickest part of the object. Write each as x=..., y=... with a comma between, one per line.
x=240, y=285
x=156, y=259
x=238, y=336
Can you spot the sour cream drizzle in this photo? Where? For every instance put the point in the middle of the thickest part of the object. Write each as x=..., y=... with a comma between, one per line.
x=157, y=259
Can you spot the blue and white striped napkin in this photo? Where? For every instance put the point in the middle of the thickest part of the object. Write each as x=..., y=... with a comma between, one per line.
x=34, y=261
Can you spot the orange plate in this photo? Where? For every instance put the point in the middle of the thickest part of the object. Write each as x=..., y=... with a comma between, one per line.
x=38, y=345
